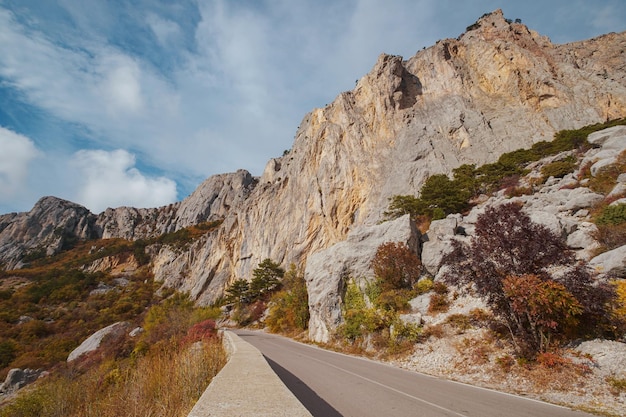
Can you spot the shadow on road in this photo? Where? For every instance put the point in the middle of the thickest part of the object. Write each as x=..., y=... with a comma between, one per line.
x=311, y=401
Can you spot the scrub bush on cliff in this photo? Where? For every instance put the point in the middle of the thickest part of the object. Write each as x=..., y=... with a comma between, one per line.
x=505, y=252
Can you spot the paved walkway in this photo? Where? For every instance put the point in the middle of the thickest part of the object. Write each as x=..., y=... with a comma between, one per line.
x=247, y=386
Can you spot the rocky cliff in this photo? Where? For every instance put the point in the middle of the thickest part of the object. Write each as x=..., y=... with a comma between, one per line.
x=54, y=224
x=498, y=87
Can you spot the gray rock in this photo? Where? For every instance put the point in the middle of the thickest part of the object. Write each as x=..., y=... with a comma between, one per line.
x=601, y=137
x=436, y=242
x=603, y=162
x=549, y=220
x=93, y=342
x=327, y=271
x=44, y=230
x=581, y=198
x=613, y=261
x=18, y=378
x=612, y=142
x=617, y=191
x=608, y=356
x=420, y=303
x=584, y=237
x=136, y=332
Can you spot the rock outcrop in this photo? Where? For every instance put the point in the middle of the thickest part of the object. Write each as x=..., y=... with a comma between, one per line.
x=18, y=378
x=51, y=225
x=212, y=200
x=496, y=88
x=328, y=271
x=93, y=342
x=563, y=205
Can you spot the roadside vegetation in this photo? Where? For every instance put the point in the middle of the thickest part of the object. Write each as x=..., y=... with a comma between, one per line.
x=163, y=371
x=49, y=307
x=282, y=295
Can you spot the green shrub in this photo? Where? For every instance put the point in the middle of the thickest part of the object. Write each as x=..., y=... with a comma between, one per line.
x=439, y=192
x=403, y=331
x=399, y=205
x=358, y=319
x=8, y=352
x=612, y=215
x=424, y=285
x=559, y=169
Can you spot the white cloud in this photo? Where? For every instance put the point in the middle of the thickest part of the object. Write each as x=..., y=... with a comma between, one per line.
x=165, y=30
x=17, y=152
x=121, y=85
x=110, y=179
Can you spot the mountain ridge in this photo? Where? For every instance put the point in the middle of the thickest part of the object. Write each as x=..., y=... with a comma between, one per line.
x=496, y=88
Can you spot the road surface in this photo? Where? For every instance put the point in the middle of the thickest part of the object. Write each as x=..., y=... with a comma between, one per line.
x=331, y=384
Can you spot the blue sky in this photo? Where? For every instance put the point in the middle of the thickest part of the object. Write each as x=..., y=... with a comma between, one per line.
x=111, y=103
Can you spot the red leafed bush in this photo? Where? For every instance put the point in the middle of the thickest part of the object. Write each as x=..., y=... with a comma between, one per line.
x=511, y=262
x=205, y=330
x=552, y=360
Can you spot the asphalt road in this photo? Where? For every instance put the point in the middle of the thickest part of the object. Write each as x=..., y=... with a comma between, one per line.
x=331, y=384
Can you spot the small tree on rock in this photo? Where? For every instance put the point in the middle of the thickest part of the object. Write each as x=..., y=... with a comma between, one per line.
x=238, y=291
x=267, y=278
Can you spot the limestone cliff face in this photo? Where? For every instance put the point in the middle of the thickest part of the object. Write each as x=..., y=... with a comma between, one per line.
x=496, y=88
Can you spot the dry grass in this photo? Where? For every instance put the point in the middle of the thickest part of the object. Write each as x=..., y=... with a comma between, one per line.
x=164, y=383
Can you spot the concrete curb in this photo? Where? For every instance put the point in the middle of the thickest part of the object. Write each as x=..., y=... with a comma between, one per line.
x=247, y=386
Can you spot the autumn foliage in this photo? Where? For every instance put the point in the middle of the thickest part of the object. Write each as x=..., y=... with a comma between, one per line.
x=531, y=280
x=540, y=309
x=396, y=266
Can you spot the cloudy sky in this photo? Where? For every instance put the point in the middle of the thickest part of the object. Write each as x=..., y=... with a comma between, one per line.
x=111, y=103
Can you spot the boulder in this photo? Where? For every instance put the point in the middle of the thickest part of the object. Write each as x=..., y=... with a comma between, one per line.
x=609, y=357
x=412, y=318
x=549, y=220
x=580, y=198
x=613, y=261
x=136, y=332
x=601, y=137
x=93, y=342
x=327, y=271
x=612, y=142
x=18, y=378
x=436, y=242
x=583, y=237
